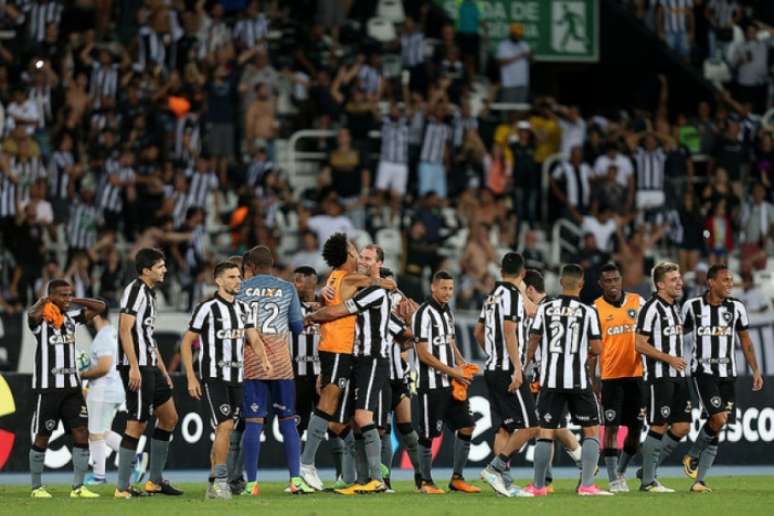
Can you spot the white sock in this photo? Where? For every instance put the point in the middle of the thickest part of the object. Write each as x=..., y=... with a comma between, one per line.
x=98, y=455
x=113, y=440
x=575, y=454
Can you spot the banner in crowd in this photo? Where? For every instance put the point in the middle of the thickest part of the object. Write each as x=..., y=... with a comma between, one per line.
x=556, y=30
x=747, y=442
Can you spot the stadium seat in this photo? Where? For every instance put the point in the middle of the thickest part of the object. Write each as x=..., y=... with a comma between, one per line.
x=391, y=66
x=381, y=30
x=360, y=237
x=391, y=10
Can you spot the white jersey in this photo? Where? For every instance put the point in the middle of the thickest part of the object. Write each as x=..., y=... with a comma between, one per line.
x=108, y=388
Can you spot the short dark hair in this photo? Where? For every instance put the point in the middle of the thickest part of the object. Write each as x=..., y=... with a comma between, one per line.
x=378, y=250
x=146, y=258
x=533, y=278
x=442, y=275
x=57, y=283
x=235, y=259
x=609, y=267
x=572, y=270
x=336, y=250
x=512, y=264
x=385, y=272
x=716, y=269
x=662, y=269
x=259, y=257
x=222, y=267
x=305, y=270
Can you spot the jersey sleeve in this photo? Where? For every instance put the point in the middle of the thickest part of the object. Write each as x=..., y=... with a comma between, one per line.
x=595, y=332
x=131, y=300
x=295, y=314
x=199, y=319
x=250, y=321
x=422, y=326
x=646, y=320
x=687, y=316
x=742, y=320
x=537, y=322
x=78, y=316
x=365, y=299
x=102, y=346
x=396, y=325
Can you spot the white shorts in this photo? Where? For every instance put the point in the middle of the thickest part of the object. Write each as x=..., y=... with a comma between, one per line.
x=101, y=414
x=649, y=200
x=392, y=176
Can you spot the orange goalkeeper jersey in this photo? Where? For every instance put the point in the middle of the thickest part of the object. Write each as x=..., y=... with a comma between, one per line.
x=338, y=336
x=619, y=359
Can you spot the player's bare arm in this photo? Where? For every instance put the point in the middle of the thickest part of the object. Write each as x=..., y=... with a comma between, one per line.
x=327, y=313
x=92, y=306
x=163, y=368
x=749, y=356
x=534, y=342
x=35, y=313
x=125, y=325
x=354, y=282
x=101, y=369
x=459, y=360
x=644, y=347
x=478, y=334
x=428, y=359
x=194, y=389
x=255, y=341
x=512, y=345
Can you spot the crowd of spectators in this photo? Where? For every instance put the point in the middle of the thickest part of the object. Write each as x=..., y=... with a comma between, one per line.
x=160, y=123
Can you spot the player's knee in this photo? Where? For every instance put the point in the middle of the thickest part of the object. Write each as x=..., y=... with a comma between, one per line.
x=718, y=421
x=254, y=420
x=80, y=435
x=466, y=432
x=41, y=441
x=590, y=431
x=96, y=437
x=532, y=432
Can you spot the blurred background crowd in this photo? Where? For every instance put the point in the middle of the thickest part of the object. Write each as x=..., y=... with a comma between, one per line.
x=206, y=127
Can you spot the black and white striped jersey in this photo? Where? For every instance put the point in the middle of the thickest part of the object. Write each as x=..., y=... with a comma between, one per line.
x=304, y=346
x=256, y=171
x=248, y=31
x=433, y=326
x=576, y=181
x=151, y=51
x=412, y=49
x=436, y=137
x=188, y=138
x=503, y=304
x=566, y=328
x=82, y=226
x=40, y=14
x=394, y=140
x=373, y=308
x=398, y=367
x=179, y=204
x=661, y=323
x=111, y=196
x=139, y=300
x=676, y=15
x=8, y=197
x=536, y=360
x=103, y=82
x=27, y=171
x=41, y=96
x=221, y=326
x=370, y=79
x=55, y=363
x=460, y=124
x=58, y=178
x=199, y=186
x=649, y=166
x=714, y=330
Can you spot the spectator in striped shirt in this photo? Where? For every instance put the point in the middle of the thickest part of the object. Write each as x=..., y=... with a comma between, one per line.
x=412, y=54
x=435, y=153
x=392, y=174
x=722, y=15
x=675, y=25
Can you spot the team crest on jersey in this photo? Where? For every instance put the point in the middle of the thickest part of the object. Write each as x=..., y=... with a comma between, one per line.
x=715, y=401
x=225, y=409
x=665, y=411
x=342, y=383
x=438, y=425
x=547, y=417
x=632, y=313
x=688, y=407
x=727, y=316
x=50, y=425
x=610, y=414
x=254, y=407
x=84, y=412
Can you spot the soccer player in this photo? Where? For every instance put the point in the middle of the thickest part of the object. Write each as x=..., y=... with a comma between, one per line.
x=622, y=389
x=55, y=382
x=370, y=371
x=304, y=346
x=105, y=395
x=146, y=381
x=660, y=339
x=337, y=339
x=222, y=324
x=714, y=319
x=568, y=331
x=398, y=393
x=439, y=362
x=276, y=308
x=499, y=331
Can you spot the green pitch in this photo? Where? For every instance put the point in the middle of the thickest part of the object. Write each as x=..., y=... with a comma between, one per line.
x=732, y=495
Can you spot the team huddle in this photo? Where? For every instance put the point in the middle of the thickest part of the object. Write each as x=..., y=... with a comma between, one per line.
x=343, y=364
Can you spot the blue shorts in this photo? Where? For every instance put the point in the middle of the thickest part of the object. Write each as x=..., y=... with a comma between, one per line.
x=256, y=400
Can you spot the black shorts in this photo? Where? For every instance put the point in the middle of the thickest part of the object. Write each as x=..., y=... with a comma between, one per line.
x=716, y=394
x=624, y=402
x=154, y=392
x=582, y=406
x=399, y=391
x=670, y=402
x=223, y=401
x=383, y=408
x=513, y=410
x=306, y=399
x=335, y=368
x=436, y=407
x=364, y=390
x=51, y=406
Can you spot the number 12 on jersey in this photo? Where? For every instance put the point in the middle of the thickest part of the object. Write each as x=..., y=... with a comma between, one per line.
x=271, y=312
